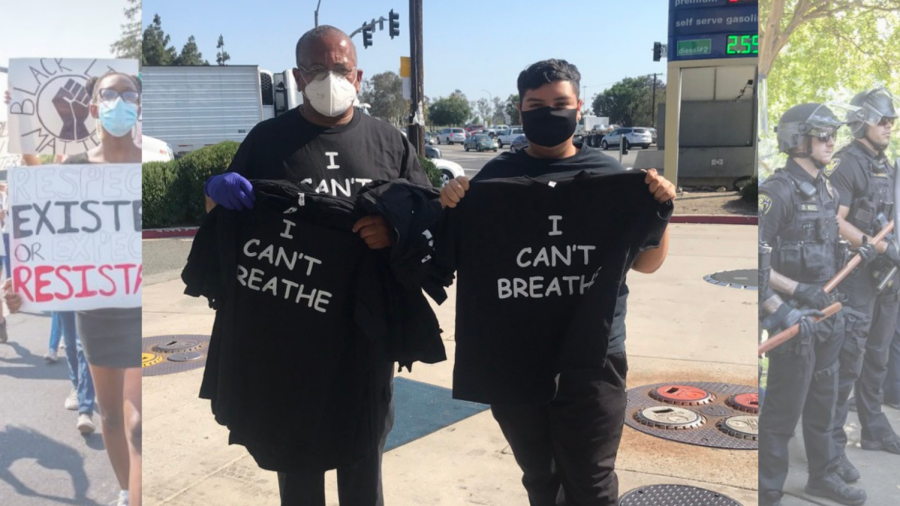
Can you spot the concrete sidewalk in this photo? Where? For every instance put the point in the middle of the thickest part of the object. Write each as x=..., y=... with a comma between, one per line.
x=43, y=458
x=680, y=329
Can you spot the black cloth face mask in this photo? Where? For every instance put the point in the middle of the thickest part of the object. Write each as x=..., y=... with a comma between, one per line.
x=549, y=127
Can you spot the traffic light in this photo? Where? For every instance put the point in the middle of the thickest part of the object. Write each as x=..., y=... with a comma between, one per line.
x=367, y=36
x=657, y=51
x=394, y=24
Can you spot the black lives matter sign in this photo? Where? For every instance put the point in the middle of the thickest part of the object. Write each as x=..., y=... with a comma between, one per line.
x=49, y=111
x=75, y=236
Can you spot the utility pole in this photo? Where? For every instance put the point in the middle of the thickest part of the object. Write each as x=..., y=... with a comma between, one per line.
x=416, y=131
x=317, y=12
x=653, y=102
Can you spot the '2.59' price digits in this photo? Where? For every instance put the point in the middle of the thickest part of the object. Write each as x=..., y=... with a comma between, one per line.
x=743, y=44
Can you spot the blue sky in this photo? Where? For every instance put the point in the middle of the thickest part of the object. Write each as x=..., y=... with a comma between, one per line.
x=82, y=29
x=471, y=46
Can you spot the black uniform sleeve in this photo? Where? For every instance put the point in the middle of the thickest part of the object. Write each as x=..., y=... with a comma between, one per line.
x=243, y=161
x=847, y=180
x=773, y=211
x=411, y=169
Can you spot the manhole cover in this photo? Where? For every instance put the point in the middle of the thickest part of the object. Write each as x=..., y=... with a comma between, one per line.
x=148, y=359
x=171, y=354
x=184, y=357
x=745, y=279
x=675, y=495
x=177, y=345
x=743, y=426
x=681, y=395
x=669, y=418
x=748, y=403
x=707, y=433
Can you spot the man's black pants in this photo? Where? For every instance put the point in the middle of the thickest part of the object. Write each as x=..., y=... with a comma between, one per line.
x=358, y=485
x=867, y=378
x=567, y=448
x=802, y=381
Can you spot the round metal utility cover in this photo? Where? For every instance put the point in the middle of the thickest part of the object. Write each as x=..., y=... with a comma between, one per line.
x=669, y=417
x=675, y=495
x=744, y=279
x=742, y=426
x=184, y=357
x=681, y=395
x=748, y=403
x=177, y=346
x=148, y=359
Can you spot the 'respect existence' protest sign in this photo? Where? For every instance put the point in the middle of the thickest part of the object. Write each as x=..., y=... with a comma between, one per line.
x=49, y=108
x=75, y=236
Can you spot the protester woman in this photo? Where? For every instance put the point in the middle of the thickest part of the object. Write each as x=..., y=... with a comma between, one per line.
x=112, y=337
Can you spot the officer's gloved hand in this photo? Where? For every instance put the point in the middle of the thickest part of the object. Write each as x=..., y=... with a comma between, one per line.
x=867, y=252
x=803, y=317
x=231, y=191
x=892, y=253
x=811, y=295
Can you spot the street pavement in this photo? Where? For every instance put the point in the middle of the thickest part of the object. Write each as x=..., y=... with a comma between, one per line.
x=44, y=460
x=680, y=328
x=472, y=162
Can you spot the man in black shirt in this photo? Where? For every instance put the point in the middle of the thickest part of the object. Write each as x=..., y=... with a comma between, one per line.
x=567, y=447
x=336, y=149
x=865, y=178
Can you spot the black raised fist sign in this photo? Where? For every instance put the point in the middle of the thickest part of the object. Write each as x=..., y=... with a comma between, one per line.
x=71, y=103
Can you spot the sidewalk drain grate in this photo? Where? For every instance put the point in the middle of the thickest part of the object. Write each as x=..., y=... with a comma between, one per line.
x=744, y=279
x=172, y=354
x=675, y=495
x=703, y=425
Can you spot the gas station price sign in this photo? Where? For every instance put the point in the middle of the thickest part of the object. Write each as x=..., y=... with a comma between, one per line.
x=713, y=29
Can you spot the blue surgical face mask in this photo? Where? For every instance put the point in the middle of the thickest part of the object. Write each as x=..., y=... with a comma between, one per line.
x=119, y=117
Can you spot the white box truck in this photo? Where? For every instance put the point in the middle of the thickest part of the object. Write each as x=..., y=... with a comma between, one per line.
x=189, y=107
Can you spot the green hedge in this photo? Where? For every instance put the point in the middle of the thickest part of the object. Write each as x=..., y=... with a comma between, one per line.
x=173, y=191
x=431, y=170
x=750, y=191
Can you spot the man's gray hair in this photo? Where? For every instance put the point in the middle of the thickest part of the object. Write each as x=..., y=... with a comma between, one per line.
x=320, y=32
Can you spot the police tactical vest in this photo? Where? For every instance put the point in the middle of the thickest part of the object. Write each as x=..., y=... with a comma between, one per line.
x=878, y=195
x=808, y=249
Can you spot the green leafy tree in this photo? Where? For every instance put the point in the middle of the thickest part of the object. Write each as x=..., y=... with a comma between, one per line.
x=511, y=112
x=129, y=45
x=222, y=56
x=629, y=101
x=485, y=110
x=384, y=93
x=190, y=54
x=498, y=116
x=155, y=48
x=821, y=52
x=452, y=110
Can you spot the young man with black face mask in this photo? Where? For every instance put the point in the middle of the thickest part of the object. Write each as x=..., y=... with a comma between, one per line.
x=567, y=448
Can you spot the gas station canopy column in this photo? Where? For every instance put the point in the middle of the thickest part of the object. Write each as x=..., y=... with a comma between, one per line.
x=716, y=35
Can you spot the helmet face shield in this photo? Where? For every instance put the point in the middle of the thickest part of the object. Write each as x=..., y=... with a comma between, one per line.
x=876, y=107
x=822, y=121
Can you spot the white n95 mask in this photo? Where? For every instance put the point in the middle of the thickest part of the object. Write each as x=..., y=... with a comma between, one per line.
x=331, y=96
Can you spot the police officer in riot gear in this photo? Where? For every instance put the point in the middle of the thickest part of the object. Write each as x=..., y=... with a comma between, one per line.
x=864, y=180
x=798, y=209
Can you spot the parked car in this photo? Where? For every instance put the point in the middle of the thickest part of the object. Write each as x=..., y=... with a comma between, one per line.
x=506, y=137
x=653, y=134
x=518, y=144
x=451, y=135
x=432, y=152
x=449, y=170
x=629, y=135
x=429, y=138
x=155, y=150
x=480, y=142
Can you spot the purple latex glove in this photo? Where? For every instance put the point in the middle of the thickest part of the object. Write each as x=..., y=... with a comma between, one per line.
x=231, y=191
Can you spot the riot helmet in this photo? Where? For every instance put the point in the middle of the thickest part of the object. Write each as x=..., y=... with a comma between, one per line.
x=801, y=123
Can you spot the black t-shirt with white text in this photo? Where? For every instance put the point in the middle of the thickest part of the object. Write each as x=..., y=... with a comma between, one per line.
x=337, y=161
x=539, y=263
x=588, y=159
